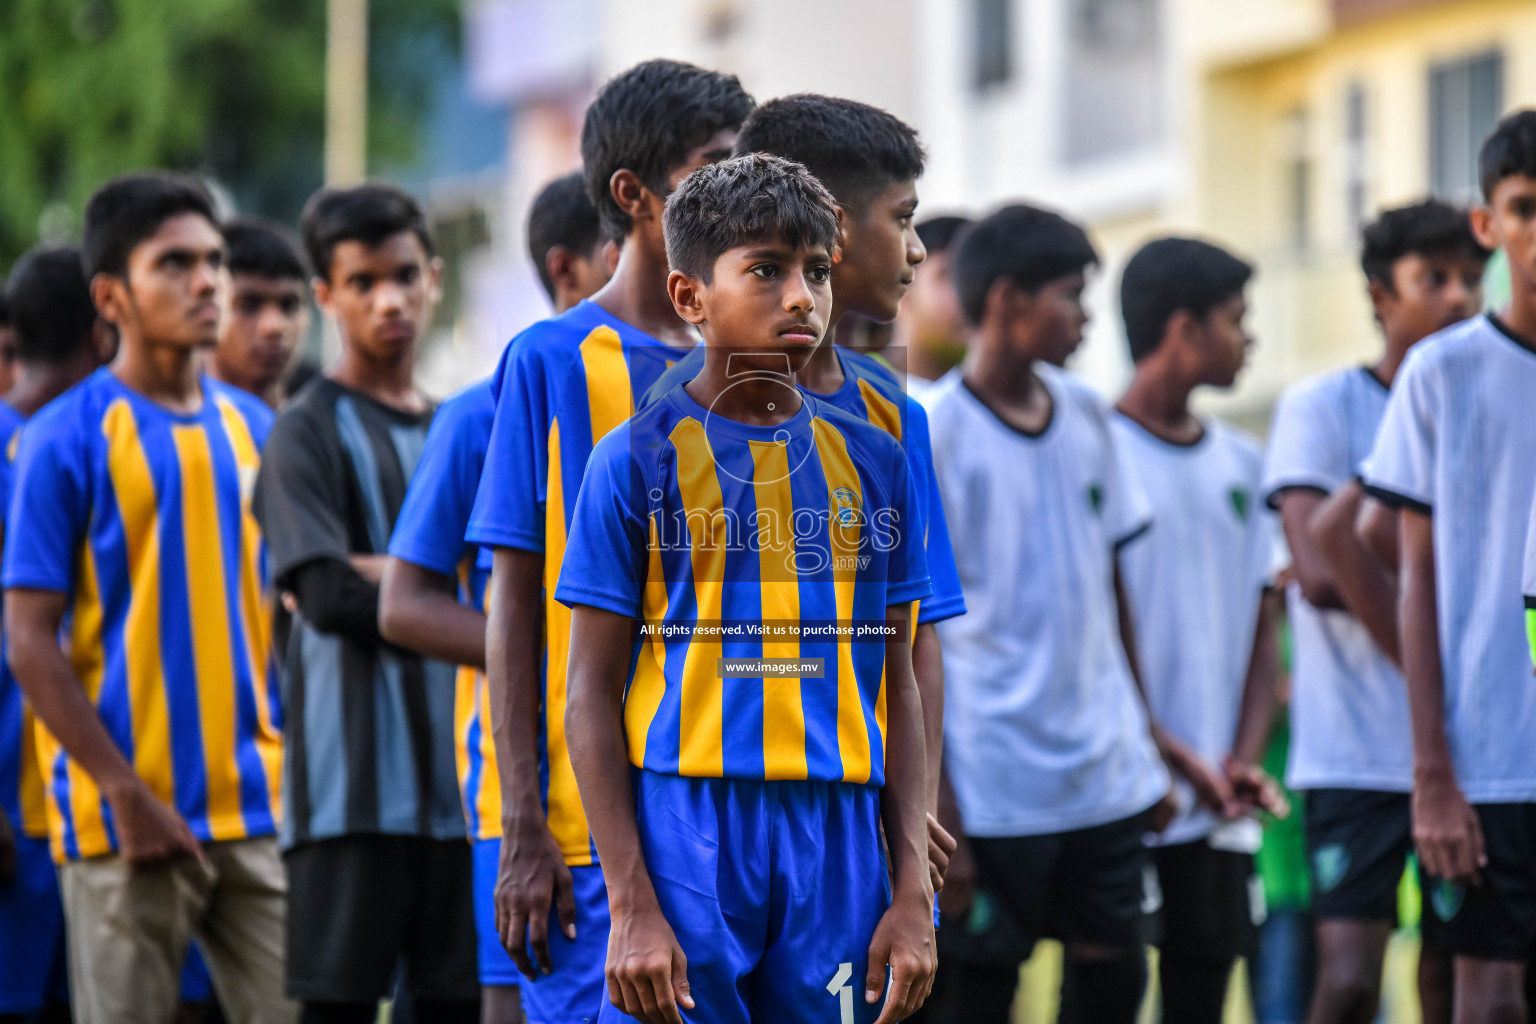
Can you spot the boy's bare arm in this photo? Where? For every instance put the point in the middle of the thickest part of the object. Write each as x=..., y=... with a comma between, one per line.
x=148, y=831
x=1297, y=507
x=1368, y=590
x=1445, y=827
x=532, y=873
x=420, y=610
x=1256, y=716
x=928, y=667
x=904, y=937
x=646, y=969
x=1376, y=528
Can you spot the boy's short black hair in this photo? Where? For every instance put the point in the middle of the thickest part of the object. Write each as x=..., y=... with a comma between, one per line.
x=262, y=248
x=364, y=213
x=1029, y=246
x=938, y=234
x=1430, y=227
x=745, y=199
x=1170, y=274
x=127, y=210
x=50, y=302
x=852, y=147
x=647, y=120
x=1509, y=150
x=562, y=214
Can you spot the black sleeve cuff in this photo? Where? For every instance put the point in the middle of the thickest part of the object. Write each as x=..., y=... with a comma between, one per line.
x=1393, y=499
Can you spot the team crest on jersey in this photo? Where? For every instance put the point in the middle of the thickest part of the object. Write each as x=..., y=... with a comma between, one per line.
x=1447, y=898
x=845, y=505
x=1096, y=497
x=1239, y=498
x=1329, y=864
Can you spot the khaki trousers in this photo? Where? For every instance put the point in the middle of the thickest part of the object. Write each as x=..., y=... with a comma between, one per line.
x=128, y=933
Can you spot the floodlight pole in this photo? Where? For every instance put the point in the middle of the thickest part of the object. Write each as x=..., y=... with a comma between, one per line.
x=346, y=91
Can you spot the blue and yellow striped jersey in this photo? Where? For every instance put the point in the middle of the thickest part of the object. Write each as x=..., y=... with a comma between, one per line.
x=562, y=385
x=872, y=392
x=730, y=541
x=21, y=781
x=142, y=517
x=430, y=533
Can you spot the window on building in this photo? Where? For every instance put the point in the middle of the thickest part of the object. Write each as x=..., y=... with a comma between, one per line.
x=1357, y=159
x=1465, y=98
x=1113, y=88
x=992, y=21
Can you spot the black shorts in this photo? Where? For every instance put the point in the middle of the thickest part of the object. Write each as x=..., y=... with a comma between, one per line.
x=1495, y=920
x=1203, y=904
x=1358, y=843
x=359, y=906
x=1082, y=886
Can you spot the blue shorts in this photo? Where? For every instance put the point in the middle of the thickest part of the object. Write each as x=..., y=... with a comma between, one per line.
x=496, y=967
x=574, y=991
x=196, y=983
x=773, y=889
x=33, y=972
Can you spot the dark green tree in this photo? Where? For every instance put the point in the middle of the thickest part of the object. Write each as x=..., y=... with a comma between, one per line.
x=233, y=89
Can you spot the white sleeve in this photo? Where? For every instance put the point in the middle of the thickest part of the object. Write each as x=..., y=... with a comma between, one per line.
x=1528, y=579
x=1400, y=470
x=1127, y=509
x=1307, y=445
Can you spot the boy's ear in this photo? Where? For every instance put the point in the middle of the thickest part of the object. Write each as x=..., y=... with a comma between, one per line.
x=842, y=234
x=322, y=289
x=1005, y=302
x=686, y=295
x=1380, y=295
x=631, y=194
x=1482, y=227
x=109, y=293
x=435, y=280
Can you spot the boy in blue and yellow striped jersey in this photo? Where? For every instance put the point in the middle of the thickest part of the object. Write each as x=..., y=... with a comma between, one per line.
x=562, y=385
x=130, y=529
x=740, y=569
x=869, y=160
x=59, y=341
x=432, y=596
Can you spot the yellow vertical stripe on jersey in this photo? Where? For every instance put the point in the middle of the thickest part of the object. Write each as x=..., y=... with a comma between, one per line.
x=134, y=488
x=783, y=712
x=701, y=753
x=879, y=410
x=211, y=642
x=567, y=820
x=852, y=730
x=650, y=681
x=488, y=800
x=85, y=654
x=464, y=696
x=34, y=798
x=610, y=401
x=255, y=606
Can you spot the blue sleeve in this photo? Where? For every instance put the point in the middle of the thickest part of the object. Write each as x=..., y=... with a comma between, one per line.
x=509, y=503
x=947, y=600
x=49, y=510
x=605, y=554
x=430, y=529
x=680, y=372
x=906, y=562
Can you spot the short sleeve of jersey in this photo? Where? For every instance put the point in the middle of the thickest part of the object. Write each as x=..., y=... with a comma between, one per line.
x=430, y=529
x=1127, y=508
x=605, y=553
x=1400, y=470
x=296, y=500
x=508, y=504
x=1306, y=450
x=947, y=600
x=49, y=506
x=907, y=563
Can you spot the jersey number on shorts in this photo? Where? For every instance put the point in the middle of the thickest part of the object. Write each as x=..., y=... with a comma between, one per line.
x=839, y=987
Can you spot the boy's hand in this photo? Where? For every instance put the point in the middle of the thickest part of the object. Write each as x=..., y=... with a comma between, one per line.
x=1254, y=787
x=1212, y=788
x=941, y=847
x=530, y=876
x=1447, y=831
x=149, y=832
x=647, y=971
x=904, y=941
